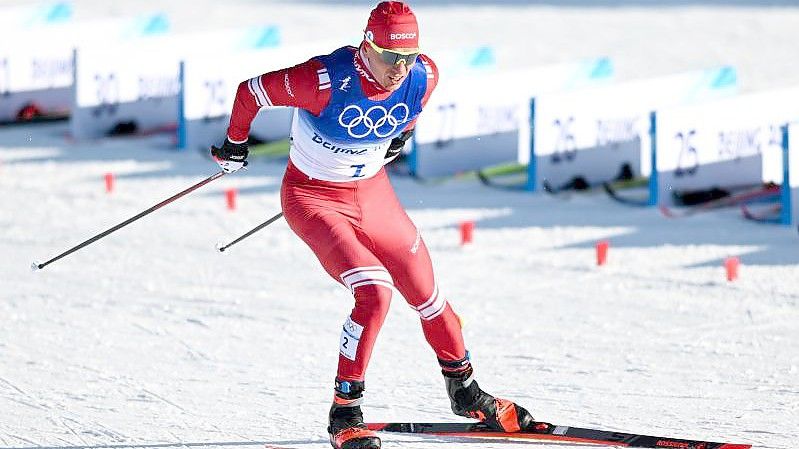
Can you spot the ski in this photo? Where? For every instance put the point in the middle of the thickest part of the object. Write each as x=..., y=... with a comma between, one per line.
x=549, y=432
x=624, y=179
x=131, y=128
x=396, y=170
x=514, y=175
x=511, y=176
x=31, y=112
x=578, y=183
x=611, y=188
x=769, y=214
x=41, y=118
x=761, y=193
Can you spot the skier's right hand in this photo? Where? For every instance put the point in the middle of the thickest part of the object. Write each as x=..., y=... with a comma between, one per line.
x=230, y=156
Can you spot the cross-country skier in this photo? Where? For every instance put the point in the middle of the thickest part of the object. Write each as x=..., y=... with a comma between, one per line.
x=356, y=108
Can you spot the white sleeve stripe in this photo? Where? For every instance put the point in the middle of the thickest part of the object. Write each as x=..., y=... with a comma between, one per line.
x=263, y=91
x=369, y=268
x=258, y=92
x=252, y=92
x=324, y=86
x=236, y=141
x=323, y=70
x=255, y=92
x=324, y=78
x=428, y=69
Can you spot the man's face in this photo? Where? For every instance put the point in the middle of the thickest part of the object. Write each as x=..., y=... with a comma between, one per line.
x=390, y=76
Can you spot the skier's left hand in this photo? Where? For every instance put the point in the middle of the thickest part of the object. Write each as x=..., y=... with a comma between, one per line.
x=397, y=144
x=230, y=156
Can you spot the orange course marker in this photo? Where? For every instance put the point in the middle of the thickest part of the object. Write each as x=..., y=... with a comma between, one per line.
x=467, y=231
x=230, y=195
x=602, y=252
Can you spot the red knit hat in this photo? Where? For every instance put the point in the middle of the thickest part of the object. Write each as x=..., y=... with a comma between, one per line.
x=393, y=25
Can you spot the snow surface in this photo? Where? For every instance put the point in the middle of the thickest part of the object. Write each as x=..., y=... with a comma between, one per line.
x=151, y=338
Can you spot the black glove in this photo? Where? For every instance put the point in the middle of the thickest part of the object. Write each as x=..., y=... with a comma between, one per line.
x=231, y=156
x=398, y=143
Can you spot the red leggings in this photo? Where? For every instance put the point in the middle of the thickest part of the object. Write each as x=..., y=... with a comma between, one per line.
x=365, y=240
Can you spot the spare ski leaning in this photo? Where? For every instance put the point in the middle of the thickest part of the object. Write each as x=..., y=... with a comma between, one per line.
x=546, y=431
x=767, y=215
x=761, y=193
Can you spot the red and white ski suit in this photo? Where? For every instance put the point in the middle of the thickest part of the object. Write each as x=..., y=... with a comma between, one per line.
x=358, y=229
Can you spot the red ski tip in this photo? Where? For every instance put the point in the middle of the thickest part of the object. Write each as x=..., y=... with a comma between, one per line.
x=665, y=211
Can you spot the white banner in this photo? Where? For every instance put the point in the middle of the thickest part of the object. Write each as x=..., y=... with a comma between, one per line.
x=13, y=19
x=209, y=88
x=41, y=71
x=35, y=66
x=139, y=81
x=130, y=83
x=612, y=117
x=729, y=142
x=45, y=61
x=488, y=103
x=125, y=73
x=210, y=83
x=483, y=119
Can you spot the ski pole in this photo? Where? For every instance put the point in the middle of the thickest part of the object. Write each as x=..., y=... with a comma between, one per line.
x=38, y=266
x=250, y=232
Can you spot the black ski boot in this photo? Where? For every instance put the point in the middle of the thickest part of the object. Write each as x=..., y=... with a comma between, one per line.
x=467, y=399
x=347, y=429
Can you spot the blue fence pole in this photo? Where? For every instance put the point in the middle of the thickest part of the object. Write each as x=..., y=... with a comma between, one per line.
x=653, y=143
x=182, y=143
x=786, y=217
x=531, y=167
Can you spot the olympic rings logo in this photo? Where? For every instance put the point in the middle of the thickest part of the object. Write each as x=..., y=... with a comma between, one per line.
x=376, y=119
